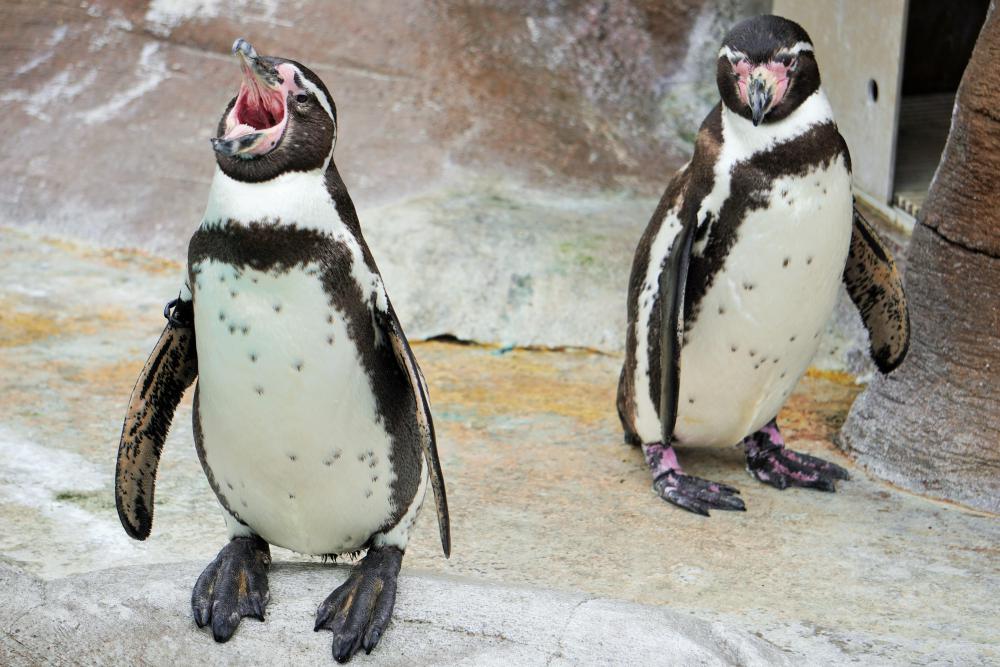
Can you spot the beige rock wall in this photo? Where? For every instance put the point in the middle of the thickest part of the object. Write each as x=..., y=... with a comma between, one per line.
x=108, y=104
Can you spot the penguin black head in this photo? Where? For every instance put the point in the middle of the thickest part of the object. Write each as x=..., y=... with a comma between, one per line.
x=766, y=68
x=283, y=119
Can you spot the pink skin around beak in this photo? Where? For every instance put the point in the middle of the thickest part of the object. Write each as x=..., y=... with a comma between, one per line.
x=761, y=87
x=256, y=123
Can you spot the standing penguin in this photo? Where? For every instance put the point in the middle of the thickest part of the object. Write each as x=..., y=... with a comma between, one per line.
x=737, y=274
x=311, y=416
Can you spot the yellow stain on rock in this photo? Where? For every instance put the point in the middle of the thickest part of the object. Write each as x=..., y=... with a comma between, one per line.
x=24, y=326
x=520, y=381
x=20, y=328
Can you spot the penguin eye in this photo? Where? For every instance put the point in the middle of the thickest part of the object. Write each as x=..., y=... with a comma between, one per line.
x=301, y=98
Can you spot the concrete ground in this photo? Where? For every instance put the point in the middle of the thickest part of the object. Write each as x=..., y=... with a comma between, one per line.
x=551, y=513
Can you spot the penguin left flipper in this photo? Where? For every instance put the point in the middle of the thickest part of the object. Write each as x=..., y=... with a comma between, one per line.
x=171, y=368
x=876, y=288
x=673, y=282
x=389, y=325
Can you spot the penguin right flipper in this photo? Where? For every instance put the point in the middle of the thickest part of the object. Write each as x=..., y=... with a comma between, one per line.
x=171, y=368
x=390, y=327
x=673, y=282
x=876, y=288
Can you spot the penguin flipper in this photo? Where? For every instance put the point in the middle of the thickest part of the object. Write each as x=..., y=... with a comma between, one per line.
x=171, y=368
x=673, y=282
x=876, y=288
x=389, y=324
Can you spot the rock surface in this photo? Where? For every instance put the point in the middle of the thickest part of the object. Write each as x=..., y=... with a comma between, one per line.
x=543, y=493
x=110, y=103
x=141, y=615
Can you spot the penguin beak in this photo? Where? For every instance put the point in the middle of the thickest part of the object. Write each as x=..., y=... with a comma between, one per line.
x=257, y=120
x=763, y=87
x=759, y=96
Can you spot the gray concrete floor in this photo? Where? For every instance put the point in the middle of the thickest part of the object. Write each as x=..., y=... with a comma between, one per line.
x=544, y=495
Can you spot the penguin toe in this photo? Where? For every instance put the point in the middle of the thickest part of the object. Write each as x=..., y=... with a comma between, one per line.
x=358, y=611
x=233, y=586
x=783, y=468
x=696, y=494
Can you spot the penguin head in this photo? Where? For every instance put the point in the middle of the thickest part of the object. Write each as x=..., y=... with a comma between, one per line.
x=282, y=119
x=766, y=68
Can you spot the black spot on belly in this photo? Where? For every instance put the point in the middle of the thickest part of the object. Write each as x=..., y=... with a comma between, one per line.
x=782, y=375
x=232, y=328
x=297, y=365
x=230, y=485
x=329, y=319
x=243, y=502
x=277, y=307
x=785, y=261
x=259, y=389
x=222, y=316
x=374, y=478
x=368, y=493
x=291, y=496
x=293, y=457
x=245, y=330
x=792, y=339
x=233, y=294
x=753, y=353
x=329, y=340
x=253, y=357
x=691, y=400
x=733, y=348
x=747, y=286
x=809, y=260
x=722, y=311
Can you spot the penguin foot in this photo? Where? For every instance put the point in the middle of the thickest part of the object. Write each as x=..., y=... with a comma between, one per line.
x=233, y=585
x=359, y=609
x=691, y=493
x=769, y=461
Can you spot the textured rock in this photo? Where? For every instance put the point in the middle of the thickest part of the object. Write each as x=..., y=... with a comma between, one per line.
x=543, y=493
x=141, y=615
x=934, y=425
x=111, y=102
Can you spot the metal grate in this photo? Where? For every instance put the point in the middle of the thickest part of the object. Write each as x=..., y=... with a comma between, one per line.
x=924, y=121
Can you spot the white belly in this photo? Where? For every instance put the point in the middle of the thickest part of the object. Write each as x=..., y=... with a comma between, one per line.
x=760, y=323
x=288, y=418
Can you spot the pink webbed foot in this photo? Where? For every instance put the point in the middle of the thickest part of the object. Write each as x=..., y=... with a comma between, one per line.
x=771, y=462
x=691, y=493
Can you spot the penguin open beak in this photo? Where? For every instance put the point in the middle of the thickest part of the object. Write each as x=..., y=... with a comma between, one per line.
x=257, y=120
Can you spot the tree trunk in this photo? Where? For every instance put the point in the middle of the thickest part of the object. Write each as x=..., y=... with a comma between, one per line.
x=933, y=425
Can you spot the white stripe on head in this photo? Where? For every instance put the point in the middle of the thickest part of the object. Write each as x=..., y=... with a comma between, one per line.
x=320, y=95
x=797, y=48
x=731, y=54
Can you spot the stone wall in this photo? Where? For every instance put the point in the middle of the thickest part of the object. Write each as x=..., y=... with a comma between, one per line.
x=109, y=104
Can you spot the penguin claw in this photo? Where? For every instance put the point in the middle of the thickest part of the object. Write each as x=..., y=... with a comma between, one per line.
x=696, y=494
x=782, y=468
x=358, y=611
x=233, y=586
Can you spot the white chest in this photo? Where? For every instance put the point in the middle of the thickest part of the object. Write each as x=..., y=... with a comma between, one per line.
x=288, y=417
x=760, y=323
